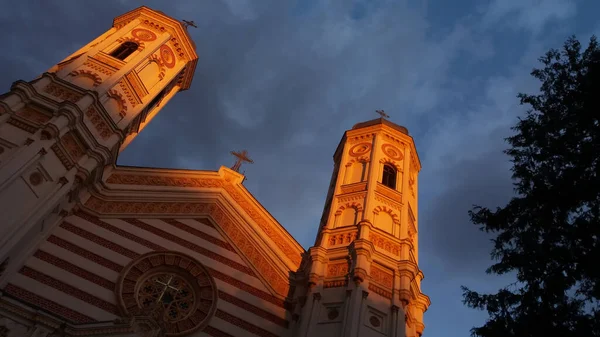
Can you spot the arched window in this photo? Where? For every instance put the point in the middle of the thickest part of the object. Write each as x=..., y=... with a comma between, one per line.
x=389, y=176
x=125, y=49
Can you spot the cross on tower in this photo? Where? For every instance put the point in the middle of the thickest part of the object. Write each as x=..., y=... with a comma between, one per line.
x=187, y=23
x=382, y=114
x=241, y=157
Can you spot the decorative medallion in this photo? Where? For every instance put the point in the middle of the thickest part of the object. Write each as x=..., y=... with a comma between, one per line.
x=392, y=151
x=143, y=34
x=374, y=321
x=360, y=149
x=167, y=56
x=36, y=178
x=173, y=289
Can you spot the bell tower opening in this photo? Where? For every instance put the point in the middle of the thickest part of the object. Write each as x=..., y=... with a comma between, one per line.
x=125, y=49
x=389, y=176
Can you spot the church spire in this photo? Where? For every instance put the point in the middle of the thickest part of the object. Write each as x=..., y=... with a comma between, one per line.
x=62, y=128
x=367, y=241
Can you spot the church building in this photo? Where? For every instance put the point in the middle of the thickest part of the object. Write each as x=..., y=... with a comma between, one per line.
x=90, y=248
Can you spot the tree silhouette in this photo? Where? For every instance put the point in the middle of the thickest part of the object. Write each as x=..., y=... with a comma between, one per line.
x=547, y=235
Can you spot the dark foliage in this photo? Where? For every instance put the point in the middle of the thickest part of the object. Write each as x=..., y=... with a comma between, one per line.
x=547, y=235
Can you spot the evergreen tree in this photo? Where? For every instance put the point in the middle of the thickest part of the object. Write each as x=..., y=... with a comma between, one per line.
x=547, y=235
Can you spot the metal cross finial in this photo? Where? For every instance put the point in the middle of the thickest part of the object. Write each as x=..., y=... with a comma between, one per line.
x=187, y=23
x=382, y=114
x=241, y=157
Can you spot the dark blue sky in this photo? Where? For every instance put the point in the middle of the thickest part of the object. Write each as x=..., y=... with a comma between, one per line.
x=285, y=79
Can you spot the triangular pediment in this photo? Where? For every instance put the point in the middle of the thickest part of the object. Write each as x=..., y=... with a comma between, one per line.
x=215, y=196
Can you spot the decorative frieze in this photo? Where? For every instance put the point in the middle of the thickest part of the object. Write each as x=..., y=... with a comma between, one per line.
x=342, y=238
x=380, y=291
x=387, y=245
x=100, y=67
x=62, y=92
x=337, y=269
x=364, y=138
x=22, y=125
x=382, y=277
x=98, y=122
x=388, y=202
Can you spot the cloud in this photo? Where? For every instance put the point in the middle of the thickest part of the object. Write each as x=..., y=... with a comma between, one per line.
x=284, y=80
x=529, y=15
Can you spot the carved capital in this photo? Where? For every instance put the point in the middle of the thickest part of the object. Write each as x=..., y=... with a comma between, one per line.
x=317, y=296
x=404, y=295
x=365, y=294
x=359, y=275
x=395, y=309
x=29, y=141
x=63, y=181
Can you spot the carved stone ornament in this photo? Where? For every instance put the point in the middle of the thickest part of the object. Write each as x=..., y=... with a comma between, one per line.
x=167, y=292
x=360, y=149
x=391, y=151
x=36, y=178
x=167, y=56
x=143, y=34
x=374, y=321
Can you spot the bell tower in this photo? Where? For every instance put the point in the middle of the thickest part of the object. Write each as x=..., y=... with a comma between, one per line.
x=59, y=131
x=362, y=276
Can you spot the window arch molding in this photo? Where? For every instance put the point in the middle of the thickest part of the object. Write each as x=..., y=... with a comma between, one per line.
x=390, y=173
x=348, y=214
x=356, y=170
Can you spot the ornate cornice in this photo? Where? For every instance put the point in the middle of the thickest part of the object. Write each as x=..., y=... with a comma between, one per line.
x=128, y=192
x=225, y=180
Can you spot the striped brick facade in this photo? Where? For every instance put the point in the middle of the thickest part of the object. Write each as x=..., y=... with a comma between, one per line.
x=73, y=274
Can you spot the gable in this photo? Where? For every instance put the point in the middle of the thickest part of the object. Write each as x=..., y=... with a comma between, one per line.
x=74, y=273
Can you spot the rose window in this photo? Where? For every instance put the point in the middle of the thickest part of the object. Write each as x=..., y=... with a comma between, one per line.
x=173, y=289
x=168, y=292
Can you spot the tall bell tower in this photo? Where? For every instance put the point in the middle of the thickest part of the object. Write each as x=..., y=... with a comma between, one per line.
x=361, y=278
x=59, y=131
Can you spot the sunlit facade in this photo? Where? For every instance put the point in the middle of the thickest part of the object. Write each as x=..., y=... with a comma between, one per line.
x=88, y=248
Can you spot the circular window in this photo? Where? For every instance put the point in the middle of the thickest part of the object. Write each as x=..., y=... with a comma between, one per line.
x=172, y=288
